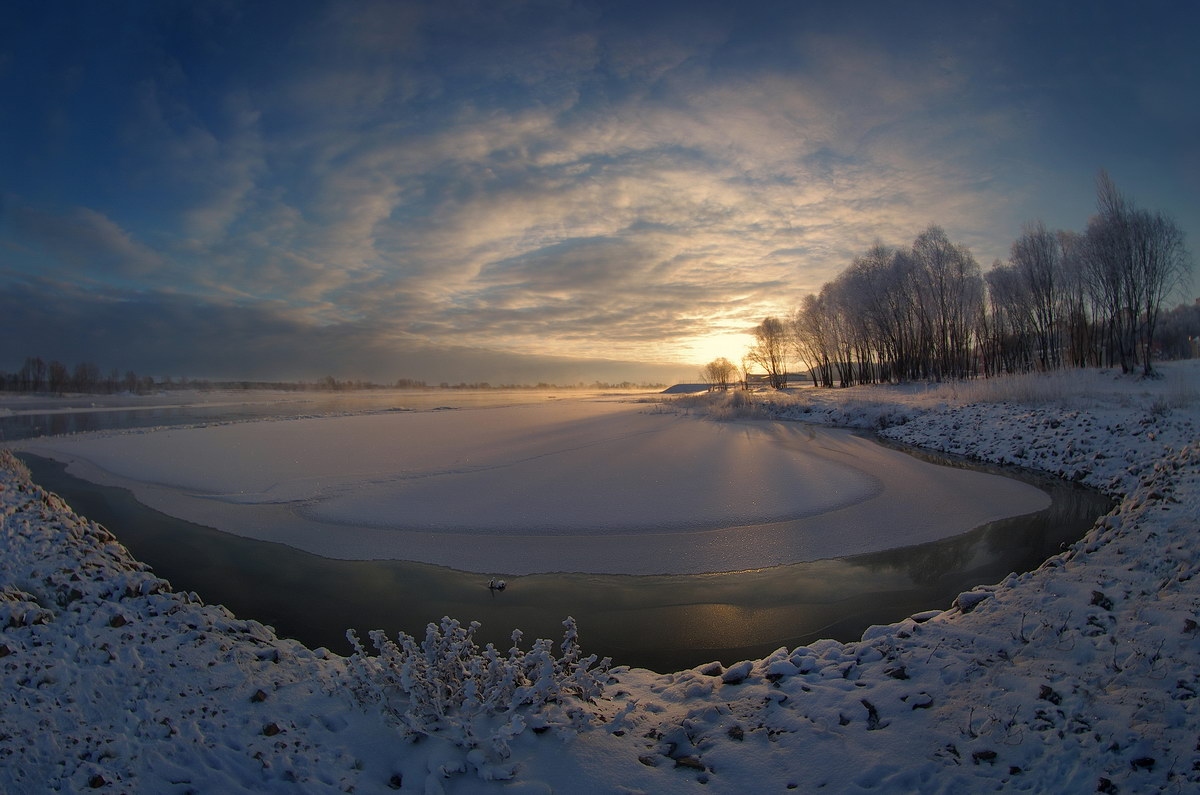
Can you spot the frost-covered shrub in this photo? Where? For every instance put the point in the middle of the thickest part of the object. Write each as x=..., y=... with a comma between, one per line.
x=730, y=404
x=735, y=405
x=446, y=686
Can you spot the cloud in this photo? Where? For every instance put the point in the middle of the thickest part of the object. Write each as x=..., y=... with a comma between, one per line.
x=575, y=228
x=580, y=265
x=206, y=169
x=174, y=335
x=575, y=178
x=575, y=224
x=78, y=239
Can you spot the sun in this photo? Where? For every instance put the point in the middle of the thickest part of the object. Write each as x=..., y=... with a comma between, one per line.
x=730, y=345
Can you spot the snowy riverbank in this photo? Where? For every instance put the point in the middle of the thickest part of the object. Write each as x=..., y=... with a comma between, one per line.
x=1080, y=676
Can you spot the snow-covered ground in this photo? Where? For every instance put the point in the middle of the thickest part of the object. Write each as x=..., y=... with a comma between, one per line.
x=1081, y=676
x=608, y=487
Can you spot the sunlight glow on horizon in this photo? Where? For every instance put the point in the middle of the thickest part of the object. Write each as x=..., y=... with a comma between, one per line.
x=732, y=346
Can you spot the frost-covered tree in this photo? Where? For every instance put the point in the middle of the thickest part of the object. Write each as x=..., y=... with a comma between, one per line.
x=954, y=287
x=718, y=373
x=1082, y=333
x=1061, y=299
x=1134, y=260
x=1179, y=337
x=1036, y=260
x=1008, y=345
x=771, y=341
x=811, y=339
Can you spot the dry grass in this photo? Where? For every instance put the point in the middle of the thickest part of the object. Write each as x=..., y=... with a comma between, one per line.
x=1176, y=386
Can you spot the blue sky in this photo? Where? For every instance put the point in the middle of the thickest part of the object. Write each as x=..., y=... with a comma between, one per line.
x=523, y=191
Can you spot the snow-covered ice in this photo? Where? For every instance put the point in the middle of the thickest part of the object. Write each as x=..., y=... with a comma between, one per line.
x=1081, y=676
x=578, y=486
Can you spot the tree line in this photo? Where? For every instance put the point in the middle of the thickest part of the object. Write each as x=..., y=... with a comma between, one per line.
x=929, y=312
x=37, y=375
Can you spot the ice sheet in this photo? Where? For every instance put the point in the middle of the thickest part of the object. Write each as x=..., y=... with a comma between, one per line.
x=564, y=486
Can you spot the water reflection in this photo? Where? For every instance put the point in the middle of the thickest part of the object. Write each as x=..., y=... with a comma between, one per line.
x=664, y=623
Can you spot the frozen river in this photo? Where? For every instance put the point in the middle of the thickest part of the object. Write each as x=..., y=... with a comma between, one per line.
x=525, y=482
x=602, y=486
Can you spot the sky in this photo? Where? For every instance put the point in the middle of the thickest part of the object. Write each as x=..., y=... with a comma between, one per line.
x=540, y=191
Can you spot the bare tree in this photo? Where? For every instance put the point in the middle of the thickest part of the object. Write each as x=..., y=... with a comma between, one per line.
x=87, y=377
x=955, y=289
x=57, y=376
x=769, y=351
x=1080, y=310
x=33, y=374
x=927, y=312
x=1008, y=347
x=1162, y=266
x=811, y=338
x=1134, y=260
x=1037, y=261
x=744, y=370
x=718, y=373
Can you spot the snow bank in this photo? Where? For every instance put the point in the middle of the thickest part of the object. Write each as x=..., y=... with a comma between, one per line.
x=573, y=486
x=1081, y=676
x=110, y=681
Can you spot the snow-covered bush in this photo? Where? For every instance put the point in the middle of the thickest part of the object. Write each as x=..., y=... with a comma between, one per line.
x=479, y=699
x=727, y=404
